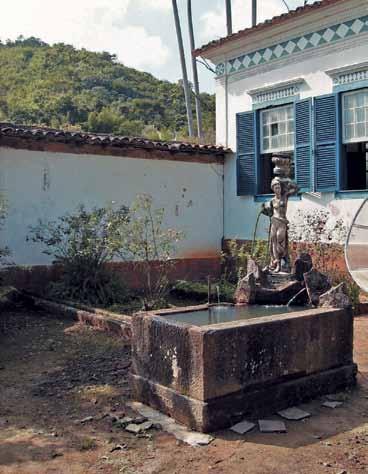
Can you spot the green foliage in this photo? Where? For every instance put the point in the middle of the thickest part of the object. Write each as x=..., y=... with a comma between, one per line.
x=151, y=246
x=60, y=86
x=83, y=243
x=236, y=255
x=198, y=291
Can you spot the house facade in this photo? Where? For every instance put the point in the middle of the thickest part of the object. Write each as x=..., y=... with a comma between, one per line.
x=298, y=84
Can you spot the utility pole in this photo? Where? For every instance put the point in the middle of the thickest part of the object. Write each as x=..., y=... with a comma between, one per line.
x=254, y=12
x=195, y=72
x=187, y=92
x=229, y=21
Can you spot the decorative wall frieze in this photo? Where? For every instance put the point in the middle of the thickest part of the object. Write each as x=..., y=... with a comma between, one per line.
x=328, y=35
x=278, y=91
x=349, y=74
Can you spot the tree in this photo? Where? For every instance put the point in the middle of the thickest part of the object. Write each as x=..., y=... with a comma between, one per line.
x=187, y=92
x=151, y=247
x=195, y=72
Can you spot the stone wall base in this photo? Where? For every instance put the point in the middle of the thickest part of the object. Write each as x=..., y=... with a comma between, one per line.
x=252, y=403
x=35, y=278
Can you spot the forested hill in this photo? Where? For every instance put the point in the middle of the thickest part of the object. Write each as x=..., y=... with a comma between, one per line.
x=62, y=87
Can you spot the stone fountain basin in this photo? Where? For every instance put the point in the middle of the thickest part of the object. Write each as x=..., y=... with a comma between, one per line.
x=211, y=376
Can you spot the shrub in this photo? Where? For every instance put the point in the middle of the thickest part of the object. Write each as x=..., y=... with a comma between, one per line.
x=151, y=247
x=83, y=243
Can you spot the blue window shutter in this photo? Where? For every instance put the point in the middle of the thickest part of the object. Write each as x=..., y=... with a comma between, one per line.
x=303, y=144
x=326, y=142
x=246, y=135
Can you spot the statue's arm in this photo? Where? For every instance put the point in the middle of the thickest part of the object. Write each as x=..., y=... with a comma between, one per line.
x=267, y=209
x=293, y=189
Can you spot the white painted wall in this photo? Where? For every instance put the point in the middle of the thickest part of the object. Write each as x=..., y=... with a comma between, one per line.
x=43, y=185
x=232, y=97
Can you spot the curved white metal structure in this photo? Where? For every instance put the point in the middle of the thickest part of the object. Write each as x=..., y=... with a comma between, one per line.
x=356, y=247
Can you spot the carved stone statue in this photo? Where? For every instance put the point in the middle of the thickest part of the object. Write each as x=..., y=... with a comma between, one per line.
x=283, y=187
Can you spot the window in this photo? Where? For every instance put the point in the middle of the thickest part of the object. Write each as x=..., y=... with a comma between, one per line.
x=277, y=129
x=354, y=162
x=355, y=117
x=277, y=135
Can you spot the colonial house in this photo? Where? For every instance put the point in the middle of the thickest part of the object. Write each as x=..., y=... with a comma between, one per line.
x=297, y=83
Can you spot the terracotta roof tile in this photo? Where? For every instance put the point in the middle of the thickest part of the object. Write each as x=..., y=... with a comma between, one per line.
x=276, y=20
x=40, y=133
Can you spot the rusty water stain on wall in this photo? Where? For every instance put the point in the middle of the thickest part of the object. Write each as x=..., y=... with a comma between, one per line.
x=46, y=180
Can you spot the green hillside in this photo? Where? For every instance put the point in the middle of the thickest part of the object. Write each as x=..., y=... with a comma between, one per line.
x=63, y=87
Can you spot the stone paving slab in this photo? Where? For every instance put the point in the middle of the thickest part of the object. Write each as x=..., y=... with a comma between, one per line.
x=329, y=404
x=294, y=413
x=243, y=427
x=272, y=426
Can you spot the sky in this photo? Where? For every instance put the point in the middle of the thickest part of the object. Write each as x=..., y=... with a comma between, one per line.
x=140, y=32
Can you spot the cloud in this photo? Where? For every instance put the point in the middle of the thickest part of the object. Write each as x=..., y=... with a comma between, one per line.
x=98, y=25
x=157, y=4
x=213, y=22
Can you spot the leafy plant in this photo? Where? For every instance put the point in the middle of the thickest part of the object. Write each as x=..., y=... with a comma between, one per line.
x=322, y=235
x=151, y=247
x=83, y=243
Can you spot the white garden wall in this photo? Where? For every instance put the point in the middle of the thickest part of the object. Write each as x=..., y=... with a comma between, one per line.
x=45, y=185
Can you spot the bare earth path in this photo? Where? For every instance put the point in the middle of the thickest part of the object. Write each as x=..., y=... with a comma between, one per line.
x=54, y=374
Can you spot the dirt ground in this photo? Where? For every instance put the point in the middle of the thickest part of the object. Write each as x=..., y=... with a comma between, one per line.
x=55, y=376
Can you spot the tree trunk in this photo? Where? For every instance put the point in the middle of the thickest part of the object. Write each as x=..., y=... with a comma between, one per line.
x=187, y=91
x=195, y=72
x=229, y=21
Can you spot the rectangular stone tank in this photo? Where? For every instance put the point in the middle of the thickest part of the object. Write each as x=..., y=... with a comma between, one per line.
x=209, y=377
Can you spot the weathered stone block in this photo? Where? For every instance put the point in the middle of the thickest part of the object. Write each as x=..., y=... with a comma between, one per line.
x=210, y=377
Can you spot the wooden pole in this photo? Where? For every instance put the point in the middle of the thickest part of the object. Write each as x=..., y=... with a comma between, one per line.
x=187, y=92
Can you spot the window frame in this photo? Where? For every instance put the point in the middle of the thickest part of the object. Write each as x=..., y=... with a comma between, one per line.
x=261, y=136
x=345, y=141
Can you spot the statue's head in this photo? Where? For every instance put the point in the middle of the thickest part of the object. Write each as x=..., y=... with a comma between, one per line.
x=276, y=186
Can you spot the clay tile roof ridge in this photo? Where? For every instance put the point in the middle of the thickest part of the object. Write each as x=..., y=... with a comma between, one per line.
x=38, y=132
x=301, y=10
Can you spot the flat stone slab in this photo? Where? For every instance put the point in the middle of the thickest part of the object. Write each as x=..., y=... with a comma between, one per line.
x=294, y=413
x=332, y=404
x=169, y=424
x=272, y=426
x=243, y=427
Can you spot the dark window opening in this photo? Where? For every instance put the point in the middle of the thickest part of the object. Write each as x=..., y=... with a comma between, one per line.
x=266, y=173
x=355, y=166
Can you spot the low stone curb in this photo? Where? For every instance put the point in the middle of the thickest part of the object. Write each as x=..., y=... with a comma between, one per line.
x=118, y=324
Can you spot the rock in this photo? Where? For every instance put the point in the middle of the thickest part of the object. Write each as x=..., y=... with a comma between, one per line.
x=243, y=427
x=336, y=297
x=118, y=447
x=272, y=426
x=136, y=429
x=246, y=289
x=303, y=264
x=87, y=419
x=294, y=413
x=329, y=404
x=259, y=274
x=316, y=283
x=11, y=298
x=168, y=424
